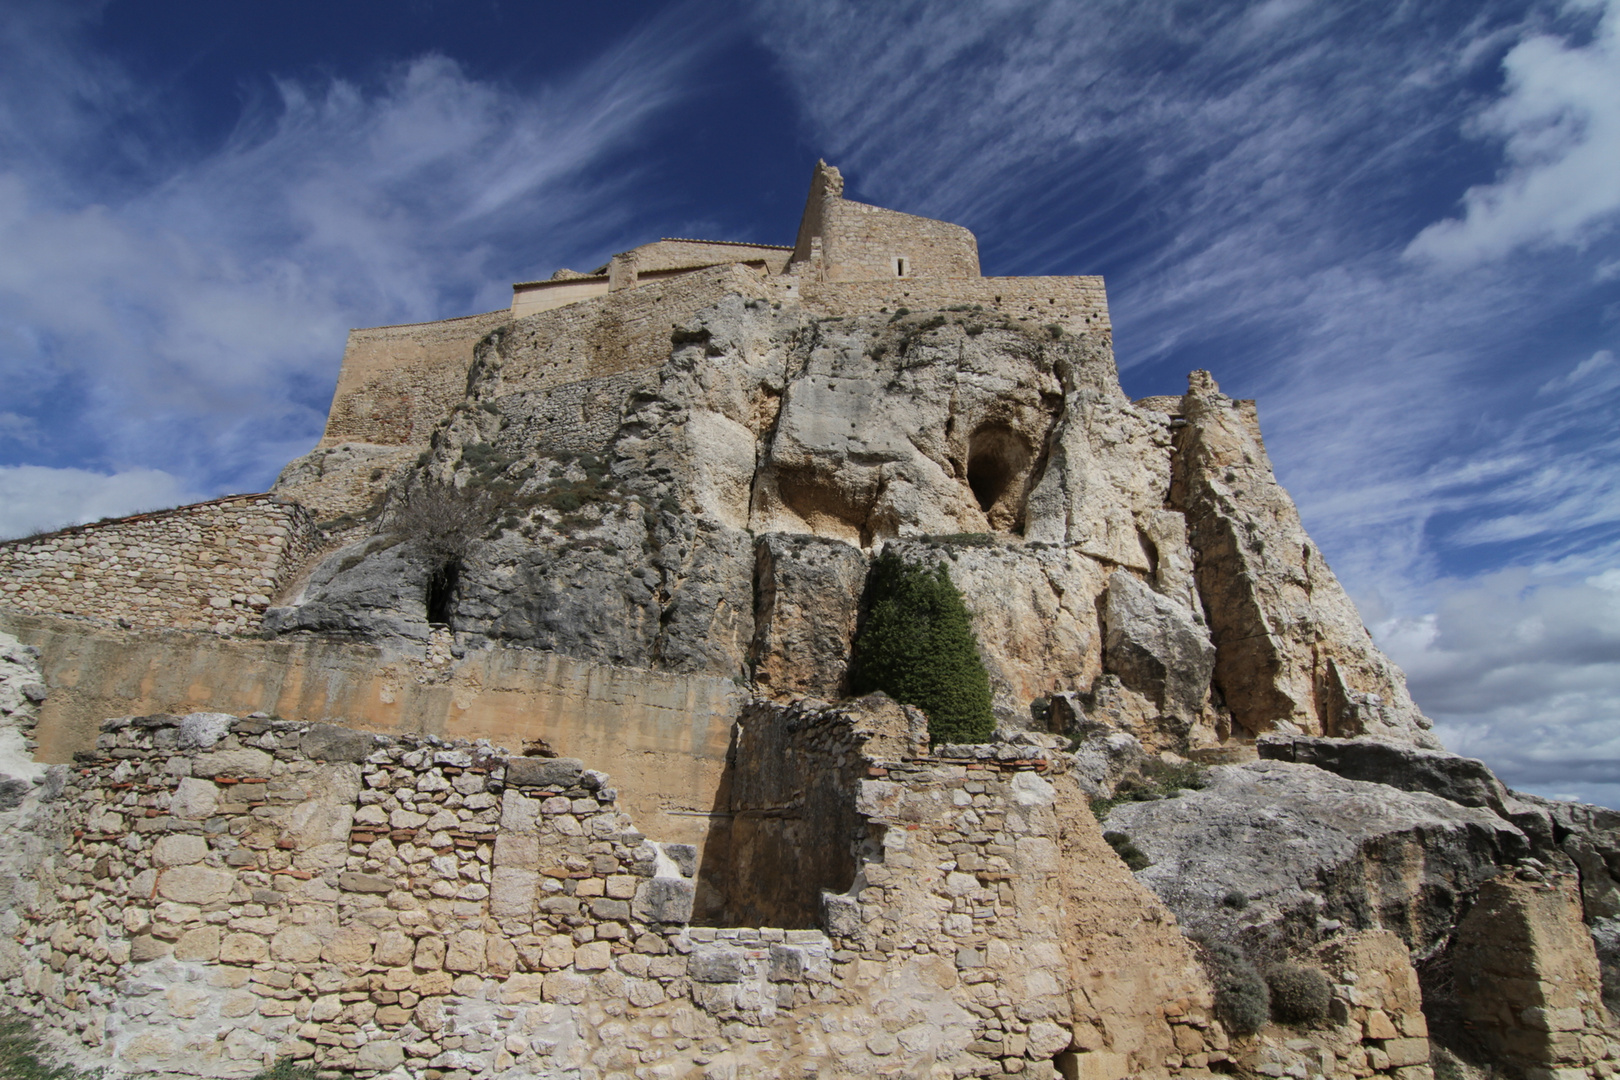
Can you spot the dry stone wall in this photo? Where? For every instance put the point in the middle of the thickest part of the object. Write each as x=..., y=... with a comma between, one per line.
x=208, y=566
x=202, y=895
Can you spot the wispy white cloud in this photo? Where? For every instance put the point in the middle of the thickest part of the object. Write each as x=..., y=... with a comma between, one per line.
x=183, y=306
x=1559, y=123
x=1523, y=669
x=35, y=499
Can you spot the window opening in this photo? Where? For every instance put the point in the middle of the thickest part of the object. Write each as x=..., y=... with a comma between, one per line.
x=902, y=266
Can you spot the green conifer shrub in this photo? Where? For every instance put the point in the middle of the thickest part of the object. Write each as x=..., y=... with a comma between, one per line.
x=917, y=646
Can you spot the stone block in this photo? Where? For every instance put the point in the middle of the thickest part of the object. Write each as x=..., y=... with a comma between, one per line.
x=664, y=900
x=717, y=964
x=243, y=949
x=179, y=849
x=296, y=944
x=352, y=881
x=535, y=772
x=512, y=892
x=380, y=1056
x=145, y=947
x=607, y=910
x=787, y=964
x=1406, y=1052
x=195, y=884
x=232, y=763
x=201, y=730
x=622, y=886
x=350, y=946
x=594, y=956
x=1046, y=1039
x=327, y=742
x=201, y=945
x=1541, y=1019
x=518, y=850
x=1379, y=1026
x=1092, y=1065
x=566, y=988
x=393, y=949
x=465, y=951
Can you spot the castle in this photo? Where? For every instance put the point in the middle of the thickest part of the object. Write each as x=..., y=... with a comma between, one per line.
x=583, y=794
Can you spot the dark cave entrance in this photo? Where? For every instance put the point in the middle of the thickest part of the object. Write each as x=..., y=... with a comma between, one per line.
x=996, y=460
x=441, y=593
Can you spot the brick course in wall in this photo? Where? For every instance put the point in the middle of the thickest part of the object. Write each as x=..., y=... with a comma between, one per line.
x=208, y=566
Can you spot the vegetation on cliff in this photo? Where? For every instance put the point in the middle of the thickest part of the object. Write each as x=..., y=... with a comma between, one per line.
x=917, y=646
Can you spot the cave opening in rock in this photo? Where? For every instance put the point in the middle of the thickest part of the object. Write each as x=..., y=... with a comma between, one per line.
x=441, y=593
x=997, y=459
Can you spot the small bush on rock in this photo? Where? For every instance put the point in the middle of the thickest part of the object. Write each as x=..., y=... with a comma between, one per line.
x=917, y=646
x=1299, y=994
x=1242, y=999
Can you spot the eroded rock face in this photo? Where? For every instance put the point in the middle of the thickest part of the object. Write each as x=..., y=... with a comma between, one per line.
x=1291, y=652
x=1156, y=647
x=1279, y=855
x=719, y=513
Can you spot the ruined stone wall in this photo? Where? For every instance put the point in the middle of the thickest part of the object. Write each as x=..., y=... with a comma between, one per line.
x=397, y=382
x=861, y=243
x=664, y=736
x=212, y=565
x=203, y=895
x=1526, y=975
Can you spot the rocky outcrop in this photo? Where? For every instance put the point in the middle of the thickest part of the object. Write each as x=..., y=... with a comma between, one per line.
x=807, y=597
x=22, y=689
x=1157, y=647
x=1278, y=855
x=1291, y=652
x=1464, y=781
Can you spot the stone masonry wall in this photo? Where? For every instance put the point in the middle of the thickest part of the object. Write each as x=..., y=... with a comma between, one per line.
x=1078, y=304
x=202, y=895
x=1527, y=977
x=860, y=243
x=208, y=566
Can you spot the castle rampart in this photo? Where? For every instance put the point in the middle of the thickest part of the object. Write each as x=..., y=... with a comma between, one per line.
x=213, y=565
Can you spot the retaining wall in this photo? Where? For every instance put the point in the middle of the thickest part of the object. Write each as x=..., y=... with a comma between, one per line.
x=202, y=896
x=213, y=565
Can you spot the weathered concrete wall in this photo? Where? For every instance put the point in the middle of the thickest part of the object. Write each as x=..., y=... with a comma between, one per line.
x=201, y=896
x=665, y=736
x=213, y=565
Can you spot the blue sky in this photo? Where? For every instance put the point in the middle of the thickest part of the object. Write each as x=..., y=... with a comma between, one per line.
x=1394, y=224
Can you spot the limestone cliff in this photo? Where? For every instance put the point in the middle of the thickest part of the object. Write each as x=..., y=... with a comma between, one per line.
x=740, y=488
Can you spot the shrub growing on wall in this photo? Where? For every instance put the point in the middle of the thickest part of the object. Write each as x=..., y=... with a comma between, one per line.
x=918, y=647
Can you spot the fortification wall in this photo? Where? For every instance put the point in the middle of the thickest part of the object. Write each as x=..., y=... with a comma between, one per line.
x=1078, y=304
x=665, y=736
x=673, y=254
x=861, y=243
x=578, y=417
x=532, y=297
x=397, y=382
x=202, y=896
x=212, y=565
x=618, y=332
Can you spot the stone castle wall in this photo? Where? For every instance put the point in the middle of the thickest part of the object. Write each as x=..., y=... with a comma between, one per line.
x=860, y=242
x=397, y=382
x=204, y=895
x=1078, y=304
x=213, y=565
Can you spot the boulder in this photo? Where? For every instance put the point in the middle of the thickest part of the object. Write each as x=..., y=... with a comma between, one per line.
x=1464, y=781
x=807, y=596
x=1277, y=855
x=1156, y=646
